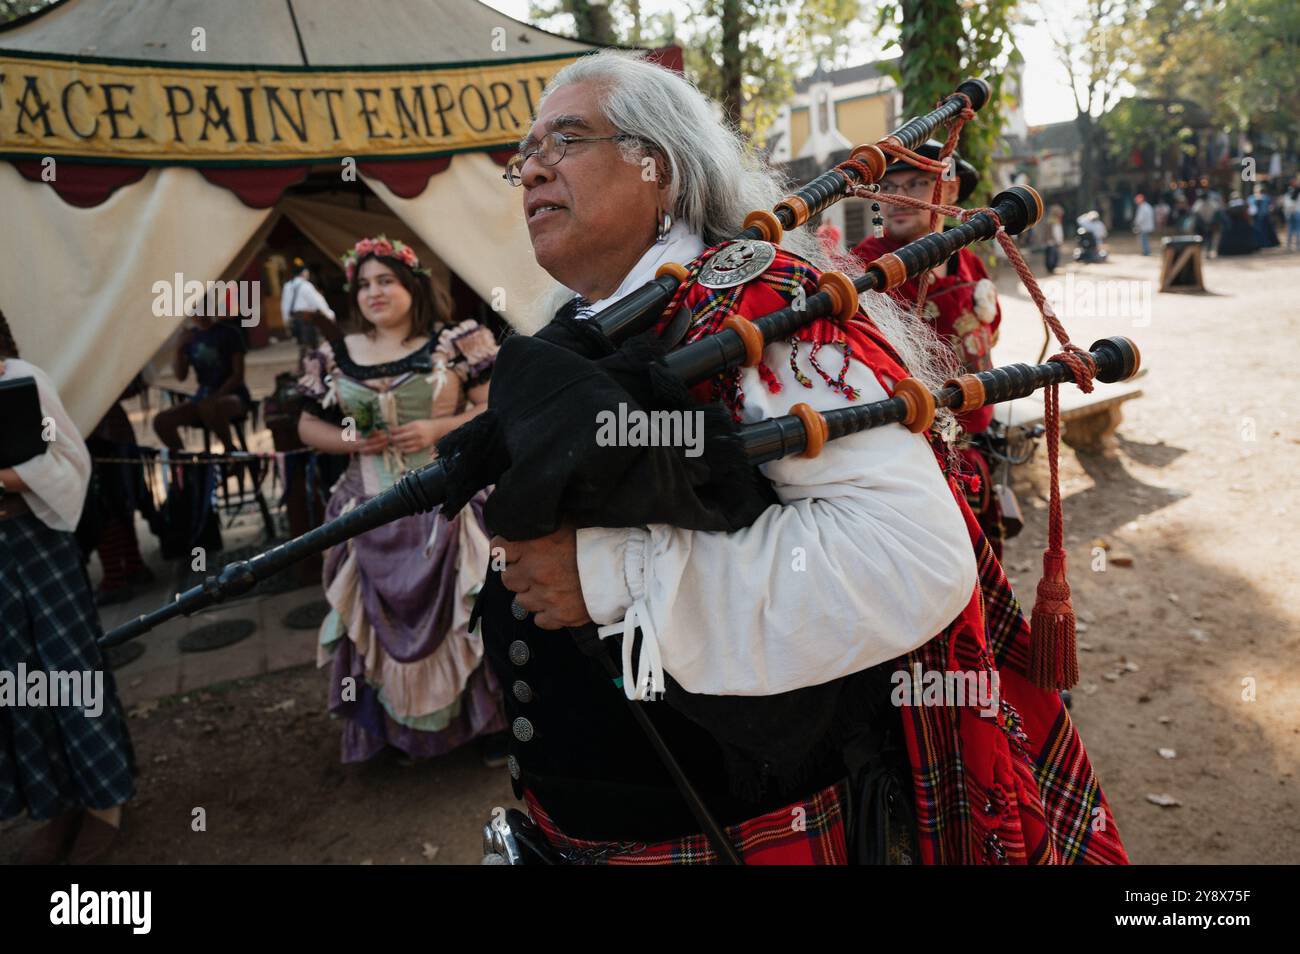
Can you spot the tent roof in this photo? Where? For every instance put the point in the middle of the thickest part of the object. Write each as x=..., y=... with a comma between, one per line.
x=282, y=32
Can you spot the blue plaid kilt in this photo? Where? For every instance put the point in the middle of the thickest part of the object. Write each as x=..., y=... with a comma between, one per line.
x=55, y=758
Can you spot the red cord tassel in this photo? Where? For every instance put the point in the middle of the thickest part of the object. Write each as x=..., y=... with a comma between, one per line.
x=1053, y=654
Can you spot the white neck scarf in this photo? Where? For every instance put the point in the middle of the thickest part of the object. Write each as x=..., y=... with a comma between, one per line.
x=681, y=247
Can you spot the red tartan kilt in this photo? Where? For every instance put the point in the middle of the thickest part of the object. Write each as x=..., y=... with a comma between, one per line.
x=806, y=832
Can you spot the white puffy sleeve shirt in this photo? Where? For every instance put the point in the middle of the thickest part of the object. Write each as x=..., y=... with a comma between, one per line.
x=57, y=480
x=866, y=558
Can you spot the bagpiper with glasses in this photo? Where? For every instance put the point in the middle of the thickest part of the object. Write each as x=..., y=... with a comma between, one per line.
x=961, y=305
x=764, y=657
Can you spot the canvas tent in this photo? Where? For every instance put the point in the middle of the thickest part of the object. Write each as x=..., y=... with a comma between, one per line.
x=146, y=139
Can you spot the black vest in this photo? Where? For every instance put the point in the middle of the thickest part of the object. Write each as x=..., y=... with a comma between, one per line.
x=576, y=748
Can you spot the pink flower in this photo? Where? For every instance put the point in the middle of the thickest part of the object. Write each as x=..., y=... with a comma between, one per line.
x=383, y=247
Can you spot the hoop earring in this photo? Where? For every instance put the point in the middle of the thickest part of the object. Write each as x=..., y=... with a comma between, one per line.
x=665, y=226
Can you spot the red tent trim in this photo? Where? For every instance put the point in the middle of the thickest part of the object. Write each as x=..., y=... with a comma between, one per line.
x=258, y=188
x=407, y=178
x=83, y=185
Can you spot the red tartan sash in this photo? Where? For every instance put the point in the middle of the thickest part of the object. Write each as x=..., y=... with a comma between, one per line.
x=1016, y=789
x=807, y=832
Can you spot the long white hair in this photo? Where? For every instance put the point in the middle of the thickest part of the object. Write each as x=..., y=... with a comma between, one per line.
x=716, y=180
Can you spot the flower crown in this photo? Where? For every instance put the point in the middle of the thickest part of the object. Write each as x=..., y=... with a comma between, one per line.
x=383, y=246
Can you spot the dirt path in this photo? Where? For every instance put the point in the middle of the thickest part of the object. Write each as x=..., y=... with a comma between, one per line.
x=262, y=760
x=1202, y=497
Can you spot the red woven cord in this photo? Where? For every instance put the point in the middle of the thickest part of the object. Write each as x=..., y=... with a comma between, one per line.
x=1053, y=662
x=1053, y=656
x=858, y=166
x=794, y=364
x=949, y=144
x=769, y=378
x=894, y=198
x=1053, y=650
x=945, y=154
x=839, y=383
x=904, y=154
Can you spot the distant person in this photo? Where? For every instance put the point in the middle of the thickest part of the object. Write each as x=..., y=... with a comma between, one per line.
x=1162, y=214
x=1261, y=209
x=299, y=301
x=1291, y=210
x=1090, y=237
x=118, y=492
x=1203, y=216
x=1055, y=238
x=1218, y=220
x=1182, y=208
x=215, y=349
x=1091, y=221
x=1238, y=236
x=67, y=762
x=1144, y=222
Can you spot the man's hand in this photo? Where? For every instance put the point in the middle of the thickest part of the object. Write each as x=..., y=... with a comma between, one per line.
x=543, y=575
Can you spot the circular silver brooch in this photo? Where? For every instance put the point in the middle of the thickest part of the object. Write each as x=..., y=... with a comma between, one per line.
x=737, y=263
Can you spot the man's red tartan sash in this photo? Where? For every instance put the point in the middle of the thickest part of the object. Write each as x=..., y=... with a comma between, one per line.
x=807, y=832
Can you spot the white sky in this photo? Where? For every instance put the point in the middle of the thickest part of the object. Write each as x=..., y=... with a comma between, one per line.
x=1047, y=91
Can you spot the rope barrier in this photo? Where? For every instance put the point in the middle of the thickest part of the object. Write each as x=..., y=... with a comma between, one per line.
x=152, y=455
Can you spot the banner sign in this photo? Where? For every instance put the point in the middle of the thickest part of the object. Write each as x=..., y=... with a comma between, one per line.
x=178, y=116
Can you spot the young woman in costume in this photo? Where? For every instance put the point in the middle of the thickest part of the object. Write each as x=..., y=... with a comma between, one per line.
x=407, y=672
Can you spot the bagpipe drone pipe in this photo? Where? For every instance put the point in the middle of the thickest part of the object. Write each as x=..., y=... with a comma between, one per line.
x=426, y=488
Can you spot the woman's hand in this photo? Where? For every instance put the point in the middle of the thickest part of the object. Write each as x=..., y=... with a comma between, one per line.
x=416, y=436
x=374, y=444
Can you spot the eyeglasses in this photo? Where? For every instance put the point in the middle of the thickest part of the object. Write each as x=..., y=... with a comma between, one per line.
x=549, y=150
x=920, y=186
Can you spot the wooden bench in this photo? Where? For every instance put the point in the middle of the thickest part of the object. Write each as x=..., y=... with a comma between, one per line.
x=1088, y=421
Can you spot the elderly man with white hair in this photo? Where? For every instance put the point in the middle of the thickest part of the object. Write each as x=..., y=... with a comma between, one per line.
x=778, y=642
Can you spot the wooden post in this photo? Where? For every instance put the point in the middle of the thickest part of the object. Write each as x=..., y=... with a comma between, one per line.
x=1180, y=268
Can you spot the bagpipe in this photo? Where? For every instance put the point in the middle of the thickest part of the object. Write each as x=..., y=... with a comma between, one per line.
x=546, y=474
x=427, y=488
